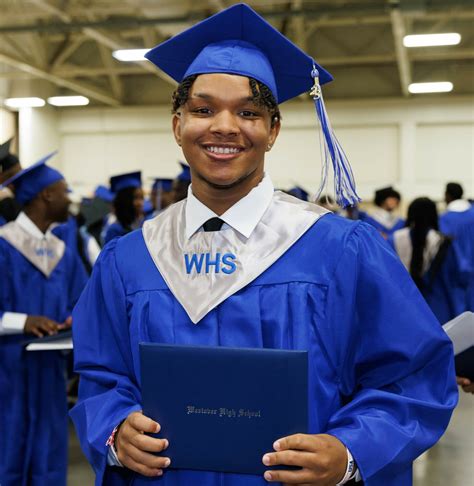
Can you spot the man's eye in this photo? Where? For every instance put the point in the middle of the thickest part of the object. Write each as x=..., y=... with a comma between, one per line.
x=202, y=111
x=248, y=113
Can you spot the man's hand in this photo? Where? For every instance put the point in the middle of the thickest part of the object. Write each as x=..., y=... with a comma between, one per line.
x=466, y=384
x=134, y=447
x=41, y=326
x=323, y=460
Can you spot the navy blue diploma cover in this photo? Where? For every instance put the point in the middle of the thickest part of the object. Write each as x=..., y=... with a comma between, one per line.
x=222, y=408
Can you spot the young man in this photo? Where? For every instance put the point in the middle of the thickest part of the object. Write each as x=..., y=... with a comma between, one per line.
x=382, y=218
x=41, y=282
x=237, y=264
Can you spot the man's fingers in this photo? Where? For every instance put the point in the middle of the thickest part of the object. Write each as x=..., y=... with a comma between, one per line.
x=299, y=442
x=146, y=459
x=462, y=381
x=289, y=458
x=290, y=477
x=149, y=444
x=37, y=332
x=144, y=424
x=141, y=469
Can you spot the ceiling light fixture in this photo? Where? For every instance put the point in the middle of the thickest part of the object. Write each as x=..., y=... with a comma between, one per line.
x=429, y=40
x=31, y=102
x=130, y=55
x=68, y=100
x=438, y=87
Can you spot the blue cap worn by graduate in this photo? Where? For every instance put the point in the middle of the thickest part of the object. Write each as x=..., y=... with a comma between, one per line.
x=299, y=192
x=162, y=184
x=185, y=174
x=124, y=181
x=104, y=193
x=29, y=182
x=239, y=41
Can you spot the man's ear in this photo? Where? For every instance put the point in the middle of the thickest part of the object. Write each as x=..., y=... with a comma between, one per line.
x=46, y=194
x=176, y=124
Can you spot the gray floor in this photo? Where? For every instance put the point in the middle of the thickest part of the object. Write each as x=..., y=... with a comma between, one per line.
x=450, y=462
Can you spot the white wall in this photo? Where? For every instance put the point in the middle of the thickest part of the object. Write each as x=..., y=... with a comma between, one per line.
x=39, y=135
x=7, y=125
x=417, y=145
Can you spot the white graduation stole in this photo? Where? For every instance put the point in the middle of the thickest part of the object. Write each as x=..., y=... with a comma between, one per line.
x=209, y=267
x=44, y=253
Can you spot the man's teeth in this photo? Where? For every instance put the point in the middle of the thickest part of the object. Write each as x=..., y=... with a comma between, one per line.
x=223, y=150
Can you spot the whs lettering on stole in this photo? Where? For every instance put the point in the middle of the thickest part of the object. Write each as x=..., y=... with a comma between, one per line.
x=204, y=263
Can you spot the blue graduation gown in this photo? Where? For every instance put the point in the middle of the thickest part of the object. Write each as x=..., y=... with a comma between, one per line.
x=451, y=222
x=76, y=240
x=445, y=290
x=367, y=218
x=33, y=417
x=460, y=225
x=381, y=375
x=113, y=231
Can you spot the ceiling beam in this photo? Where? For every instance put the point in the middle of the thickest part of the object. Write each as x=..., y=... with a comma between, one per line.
x=114, y=78
x=68, y=50
x=403, y=62
x=299, y=25
x=66, y=71
x=312, y=17
x=38, y=72
x=105, y=39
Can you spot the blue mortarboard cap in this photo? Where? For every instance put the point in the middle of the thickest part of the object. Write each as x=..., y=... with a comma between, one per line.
x=161, y=184
x=239, y=41
x=104, y=193
x=31, y=181
x=7, y=159
x=299, y=192
x=185, y=175
x=122, y=181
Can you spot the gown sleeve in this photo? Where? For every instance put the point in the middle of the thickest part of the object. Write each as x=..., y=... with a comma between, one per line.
x=108, y=391
x=394, y=361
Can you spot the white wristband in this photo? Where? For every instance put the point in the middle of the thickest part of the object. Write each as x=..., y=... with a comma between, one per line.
x=350, y=469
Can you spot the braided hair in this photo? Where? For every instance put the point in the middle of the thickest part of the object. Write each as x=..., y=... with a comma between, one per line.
x=261, y=96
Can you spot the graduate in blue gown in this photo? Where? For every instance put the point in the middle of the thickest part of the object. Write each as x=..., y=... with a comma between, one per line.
x=239, y=264
x=382, y=217
x=458, y=222
x=435, y=261
x=459, y=211
x=128, y=205
x=41, y=282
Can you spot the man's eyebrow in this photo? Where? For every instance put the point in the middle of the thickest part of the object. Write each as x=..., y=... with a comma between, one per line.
x=209, y=97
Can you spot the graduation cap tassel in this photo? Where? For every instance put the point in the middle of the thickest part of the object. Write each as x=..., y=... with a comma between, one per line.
x=344, y=182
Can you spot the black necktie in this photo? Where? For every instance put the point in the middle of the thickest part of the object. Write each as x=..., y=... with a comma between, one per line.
x=213, y=224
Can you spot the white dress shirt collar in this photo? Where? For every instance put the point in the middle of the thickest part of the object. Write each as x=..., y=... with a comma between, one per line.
x=25, y=222
x=243, y=216
x=459, y=206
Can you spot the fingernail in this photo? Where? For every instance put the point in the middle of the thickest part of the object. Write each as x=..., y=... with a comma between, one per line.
x=159, y=473
x=167, y=462
x=166, y=443
x=266, y=460
x=277, y=446
x=157, y=428
x=267, y=476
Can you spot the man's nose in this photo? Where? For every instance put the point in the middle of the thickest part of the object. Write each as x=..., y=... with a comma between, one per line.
x=225, y=123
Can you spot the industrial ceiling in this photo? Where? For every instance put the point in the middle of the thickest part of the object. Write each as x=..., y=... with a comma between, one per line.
x=65, y=46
